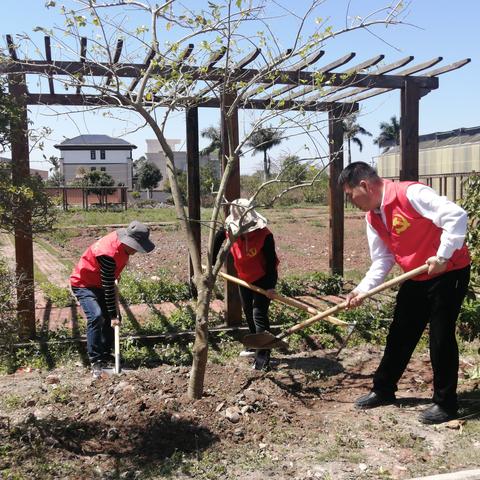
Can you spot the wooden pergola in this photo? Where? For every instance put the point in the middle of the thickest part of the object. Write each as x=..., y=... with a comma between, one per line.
x=325, y=88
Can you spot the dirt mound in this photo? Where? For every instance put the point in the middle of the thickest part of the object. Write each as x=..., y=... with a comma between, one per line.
x=296, y=421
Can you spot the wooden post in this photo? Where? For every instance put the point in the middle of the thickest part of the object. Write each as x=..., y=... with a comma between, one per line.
x=23, y=216
x=410, y=99
x=229, y=125
x=193, y=184
x=335, y=192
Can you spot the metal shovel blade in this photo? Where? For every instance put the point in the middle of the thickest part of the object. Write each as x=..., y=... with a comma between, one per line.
x=263, y=340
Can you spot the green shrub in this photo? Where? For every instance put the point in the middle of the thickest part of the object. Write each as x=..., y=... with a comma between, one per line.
x=156, y=289
x=471, y=203
x=59, y=296
x=469, y=320
x=318, y=283
x=9, y=333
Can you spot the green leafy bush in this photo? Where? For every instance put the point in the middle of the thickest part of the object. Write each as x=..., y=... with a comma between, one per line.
x=156, y=289
x=469, y=320
x=59, y=296
x=318, y=283
x=9, y=333
x=471, y=203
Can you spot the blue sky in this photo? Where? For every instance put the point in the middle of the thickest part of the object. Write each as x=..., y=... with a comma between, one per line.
x=441, y=28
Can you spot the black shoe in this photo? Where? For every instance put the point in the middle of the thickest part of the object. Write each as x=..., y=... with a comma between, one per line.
x=437, y=414
x=374, y=399
x=262, y=360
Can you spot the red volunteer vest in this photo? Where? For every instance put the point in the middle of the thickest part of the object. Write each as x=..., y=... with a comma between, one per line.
x=248, y=256
x=87, y=272
x=409, y=236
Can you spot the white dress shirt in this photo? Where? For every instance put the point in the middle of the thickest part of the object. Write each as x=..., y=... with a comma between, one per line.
x=445, y=214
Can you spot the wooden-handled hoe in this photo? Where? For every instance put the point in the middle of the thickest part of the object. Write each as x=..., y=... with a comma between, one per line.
x=267, y=340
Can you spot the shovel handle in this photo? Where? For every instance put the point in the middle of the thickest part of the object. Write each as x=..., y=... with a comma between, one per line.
x=280, y=298
x=343, y=305
x=116, y=330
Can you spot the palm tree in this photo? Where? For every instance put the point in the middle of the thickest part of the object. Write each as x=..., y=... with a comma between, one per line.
x=263, y=140
x=351, y=130
x=389, y=134
x=215, y=136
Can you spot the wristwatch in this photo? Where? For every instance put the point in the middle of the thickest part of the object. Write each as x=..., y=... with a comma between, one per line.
x=441, y=260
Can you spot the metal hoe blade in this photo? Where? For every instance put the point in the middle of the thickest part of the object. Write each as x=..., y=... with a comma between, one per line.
x=263, y=340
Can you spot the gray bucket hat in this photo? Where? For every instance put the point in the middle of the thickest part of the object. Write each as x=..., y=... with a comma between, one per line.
x=136, y=236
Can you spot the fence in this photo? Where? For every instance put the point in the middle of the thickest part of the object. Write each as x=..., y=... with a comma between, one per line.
x=450, y=185
x=89, y=196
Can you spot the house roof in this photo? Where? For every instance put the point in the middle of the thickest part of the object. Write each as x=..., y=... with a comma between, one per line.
x=97, y=141
x=459, y=136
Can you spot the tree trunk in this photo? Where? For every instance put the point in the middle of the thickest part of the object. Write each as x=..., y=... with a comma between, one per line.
x=265, y=166
x=349, y=152
x=200, y=347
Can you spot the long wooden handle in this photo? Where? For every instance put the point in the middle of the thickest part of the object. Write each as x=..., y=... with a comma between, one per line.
x=280, y=298
x=342, y=306
x=116, y=329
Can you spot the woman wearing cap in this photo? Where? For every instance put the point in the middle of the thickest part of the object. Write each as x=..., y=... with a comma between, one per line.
x=93, y=283
x=256, y=262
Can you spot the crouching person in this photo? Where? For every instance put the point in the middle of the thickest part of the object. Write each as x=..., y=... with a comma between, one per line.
x=93, y=283
x=256, y=262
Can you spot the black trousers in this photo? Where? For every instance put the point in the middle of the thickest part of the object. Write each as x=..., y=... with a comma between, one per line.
x=255, y=307
x=435, y=302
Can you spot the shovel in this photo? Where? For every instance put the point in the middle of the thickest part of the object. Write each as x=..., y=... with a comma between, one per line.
x=266, y=340
x=291, y=302
x=116, y=330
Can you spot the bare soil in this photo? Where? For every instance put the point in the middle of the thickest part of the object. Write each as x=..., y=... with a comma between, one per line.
x=296, y=421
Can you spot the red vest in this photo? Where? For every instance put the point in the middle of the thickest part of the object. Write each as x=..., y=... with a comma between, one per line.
x=87, y=272
x=248, y=256
x=409, y=236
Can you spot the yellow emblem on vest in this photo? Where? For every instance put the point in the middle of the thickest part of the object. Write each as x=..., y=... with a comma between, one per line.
x=251, y=252
x=399, y=223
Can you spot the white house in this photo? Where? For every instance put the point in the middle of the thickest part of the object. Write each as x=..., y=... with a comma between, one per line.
x=97, y=152
x=155, y=155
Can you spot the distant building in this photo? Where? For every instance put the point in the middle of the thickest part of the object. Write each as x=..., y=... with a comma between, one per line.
x=156, y=155
x=5, y=164
x=441, y=154
x=97, y=152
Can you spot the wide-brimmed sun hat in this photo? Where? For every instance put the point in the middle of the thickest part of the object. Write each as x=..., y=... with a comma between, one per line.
x=241, y=214
x=136, y=236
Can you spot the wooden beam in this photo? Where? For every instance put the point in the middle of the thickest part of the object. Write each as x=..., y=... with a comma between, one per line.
x=116, y=58
x=48, y=56
x=215, y=57
x=351, y=71
x=409, y=121
x=193, y=184
x=218, y=74
x=447, y=68
x=97, y=100
x=385, y=69
x=336, y=206
x=146, y=63
x=23, y=215
x=403, y=73
x=230, y=140
x=83, y=54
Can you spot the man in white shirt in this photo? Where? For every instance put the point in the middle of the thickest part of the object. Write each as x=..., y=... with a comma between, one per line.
x=409, y=224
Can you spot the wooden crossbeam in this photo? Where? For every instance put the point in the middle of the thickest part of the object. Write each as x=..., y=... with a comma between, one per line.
x=310, y=60
x=48, y=56
x=403, y=73
x=285, y=77
x=116, y=58
x=215, y=57
x=240, y=64
x=146, y=64
x=12, y=50
x=351, y=71
x=97, y=100
x=83, y=54
x=385, y=69
x=448, y=68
